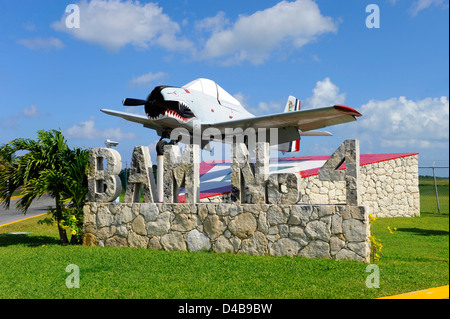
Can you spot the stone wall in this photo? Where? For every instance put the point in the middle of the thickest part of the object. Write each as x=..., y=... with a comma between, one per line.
x=314, y=231
x=388, y=189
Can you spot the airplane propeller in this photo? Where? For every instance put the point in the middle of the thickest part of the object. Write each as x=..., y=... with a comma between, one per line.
x=133, y=102
x=156, y=105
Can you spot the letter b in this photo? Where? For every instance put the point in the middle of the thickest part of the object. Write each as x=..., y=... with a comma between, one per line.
x=104, y=183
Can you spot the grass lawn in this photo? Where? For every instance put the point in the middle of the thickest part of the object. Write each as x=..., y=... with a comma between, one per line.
x=428, y=201
x=414, y=257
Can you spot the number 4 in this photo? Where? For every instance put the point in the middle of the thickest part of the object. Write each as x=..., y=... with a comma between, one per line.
x=348, y=152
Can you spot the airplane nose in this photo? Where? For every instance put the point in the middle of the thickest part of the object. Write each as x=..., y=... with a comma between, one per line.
x=156, y=95
x=153, y=108
x=157, y=104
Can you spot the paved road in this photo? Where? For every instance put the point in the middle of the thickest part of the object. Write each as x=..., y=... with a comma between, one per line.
x=37, y=208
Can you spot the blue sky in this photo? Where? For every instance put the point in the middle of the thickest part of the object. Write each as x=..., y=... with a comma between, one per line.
x=261, y=51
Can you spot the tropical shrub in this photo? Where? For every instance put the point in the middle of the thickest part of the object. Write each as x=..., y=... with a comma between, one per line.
x=47, y=166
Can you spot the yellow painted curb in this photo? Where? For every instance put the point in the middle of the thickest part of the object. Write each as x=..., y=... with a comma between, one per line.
x=432, y=293
x=20, y=220
x=14, y=197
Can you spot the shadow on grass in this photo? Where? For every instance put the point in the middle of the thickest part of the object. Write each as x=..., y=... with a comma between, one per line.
x=26, y=240
x=424, y=232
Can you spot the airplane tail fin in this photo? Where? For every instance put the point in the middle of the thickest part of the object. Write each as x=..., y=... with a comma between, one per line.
x=293, y=104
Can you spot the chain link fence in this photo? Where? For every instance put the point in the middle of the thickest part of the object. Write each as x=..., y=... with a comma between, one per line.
x=433, y=185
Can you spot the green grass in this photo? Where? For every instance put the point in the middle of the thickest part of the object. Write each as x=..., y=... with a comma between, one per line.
x=428, y=203
x=33, y=266
x=414, y=257
x=417, y=253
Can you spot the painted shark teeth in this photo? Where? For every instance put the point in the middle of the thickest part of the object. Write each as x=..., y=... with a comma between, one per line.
x=170, y=114
x=160, y=116
x=175, y=115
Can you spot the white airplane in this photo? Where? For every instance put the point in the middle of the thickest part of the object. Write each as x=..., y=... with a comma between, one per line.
x=169, y=107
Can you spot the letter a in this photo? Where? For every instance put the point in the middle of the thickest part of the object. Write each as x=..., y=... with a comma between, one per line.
x=373, y=19
x=373, y=280
x=141, y=174
x=73, y=19
x=73, y=280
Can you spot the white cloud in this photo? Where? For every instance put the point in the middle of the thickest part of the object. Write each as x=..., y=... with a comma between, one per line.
x=147, y=79
x=31, y=111
x=413, y=143
x=402, y=123
x=213, y=24
x=271, y=107
x=9, y=122
x=326, y=93
x=29, y=26
x=324, y=147
x=12, y=121
x=114, y=24
x=315, y=58
x=87, y=130
x=420, y=5
x=285, y=27
x=45, y=44
x=393, y=123
x=262, y=108
x=253, y=38
x=241, y=97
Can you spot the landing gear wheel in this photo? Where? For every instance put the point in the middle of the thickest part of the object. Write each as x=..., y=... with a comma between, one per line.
x=160, y=147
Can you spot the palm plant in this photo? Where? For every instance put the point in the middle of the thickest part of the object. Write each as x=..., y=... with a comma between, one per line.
x=48, y=166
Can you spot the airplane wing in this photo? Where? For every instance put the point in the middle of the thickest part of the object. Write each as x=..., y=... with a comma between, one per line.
x=141, y=119
x=158, y=125
x=290, y=122
x=291, y=125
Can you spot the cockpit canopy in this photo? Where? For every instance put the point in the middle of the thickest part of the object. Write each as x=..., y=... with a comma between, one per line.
x=212, y=89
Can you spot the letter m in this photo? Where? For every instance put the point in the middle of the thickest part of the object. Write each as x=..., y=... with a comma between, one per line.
x=243, y=175
x=181, y=170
